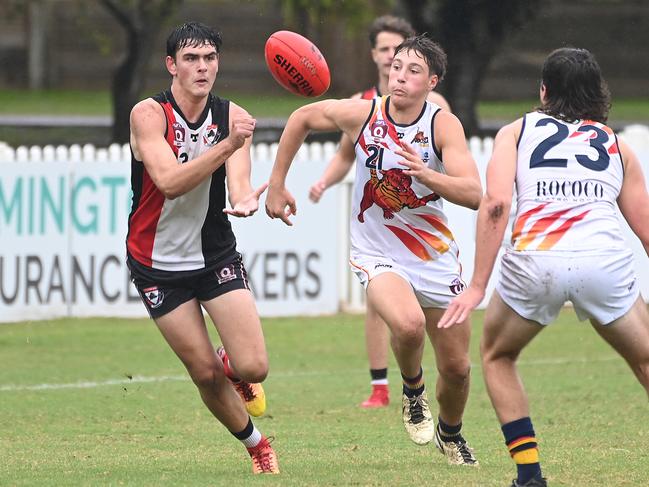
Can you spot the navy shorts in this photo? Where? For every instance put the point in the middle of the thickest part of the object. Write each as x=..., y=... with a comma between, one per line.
x=164, y=291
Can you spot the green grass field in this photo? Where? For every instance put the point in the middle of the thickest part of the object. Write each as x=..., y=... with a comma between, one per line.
x=71, y=414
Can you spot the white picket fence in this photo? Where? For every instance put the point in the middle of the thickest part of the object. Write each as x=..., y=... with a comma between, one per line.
x=315, y=156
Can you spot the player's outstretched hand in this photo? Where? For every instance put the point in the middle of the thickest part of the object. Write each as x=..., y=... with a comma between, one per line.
x=242, y=127
x=460, y=307
x=280, y=204
x=248, y=205
x=317, y=190
x=414, y=164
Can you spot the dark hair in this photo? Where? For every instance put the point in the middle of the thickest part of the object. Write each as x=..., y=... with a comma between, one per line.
x=390, y=23
x=429, y=50
x=192, y=34
x=574, y=86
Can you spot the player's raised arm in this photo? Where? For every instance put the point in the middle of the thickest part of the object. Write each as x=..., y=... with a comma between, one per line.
x=336, y=170
x=328, y=115
x=244, y=201
x=170, y=177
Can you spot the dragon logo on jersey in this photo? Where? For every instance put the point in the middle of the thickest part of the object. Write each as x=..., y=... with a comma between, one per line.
x=212, y=135
x=153, y=296
x=391, y=193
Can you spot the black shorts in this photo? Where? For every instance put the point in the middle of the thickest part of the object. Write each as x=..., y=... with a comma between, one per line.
x=164, y=291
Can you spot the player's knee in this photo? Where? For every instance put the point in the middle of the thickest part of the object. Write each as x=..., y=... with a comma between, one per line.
x=253, y=369
x=208, y=375
x=489, y=353
x=456, y=372
x=410, y=330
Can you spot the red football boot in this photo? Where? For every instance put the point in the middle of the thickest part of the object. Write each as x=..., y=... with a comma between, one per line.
x=379, y=398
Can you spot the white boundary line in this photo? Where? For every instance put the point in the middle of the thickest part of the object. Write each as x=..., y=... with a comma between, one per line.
x=91, y=384
x=138, y=379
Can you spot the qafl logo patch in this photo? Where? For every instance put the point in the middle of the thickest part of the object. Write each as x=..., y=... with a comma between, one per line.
x=457, y=286
x=378, y=130
x=179, y=134
x=153, y=296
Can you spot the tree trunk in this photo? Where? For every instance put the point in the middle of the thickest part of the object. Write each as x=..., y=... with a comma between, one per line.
x=38, y=33
x=142, y=24
x=129, y=80
x=471, y=32
x=470, y=42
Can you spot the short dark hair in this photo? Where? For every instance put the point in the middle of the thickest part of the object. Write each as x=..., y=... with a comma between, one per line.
x=390, y=23
x=429, y=50
x=192, y=34
x=574, y=86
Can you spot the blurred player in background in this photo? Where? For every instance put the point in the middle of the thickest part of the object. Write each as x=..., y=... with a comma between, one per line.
x=570, y=171
x=401, y=247
x=385, y=34
x=181, y=250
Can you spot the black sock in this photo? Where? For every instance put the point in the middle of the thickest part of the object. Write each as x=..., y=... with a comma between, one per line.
x=245, y=432
x=414, y=386
x=379, y=374
x=448, y=432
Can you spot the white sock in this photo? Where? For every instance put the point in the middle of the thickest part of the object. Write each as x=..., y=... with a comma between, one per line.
x=253, y=440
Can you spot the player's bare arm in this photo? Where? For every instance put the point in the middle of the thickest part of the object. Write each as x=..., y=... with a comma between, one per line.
x=243, y=199
x=328, y=115
x=493, y=216
x=439, y=100
x=336, y=170
x=461, y=183
x=633, y=199
x=338, y=166
x=171, y=178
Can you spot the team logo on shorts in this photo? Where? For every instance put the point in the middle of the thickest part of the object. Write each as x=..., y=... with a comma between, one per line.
x=226, y=274
x=153, y=296
x=212, y=135
x=457, y=286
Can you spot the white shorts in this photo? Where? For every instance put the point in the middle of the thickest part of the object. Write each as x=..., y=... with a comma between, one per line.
x=601, y=286
x=435, y=282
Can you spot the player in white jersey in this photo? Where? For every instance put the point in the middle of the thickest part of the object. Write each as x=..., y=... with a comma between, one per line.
x=181, y=251
x=386, y=33
x=570, y=171
x=402, y=248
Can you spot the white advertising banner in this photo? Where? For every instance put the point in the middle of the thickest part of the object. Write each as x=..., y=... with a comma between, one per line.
x=63, y=227
x=63, y=224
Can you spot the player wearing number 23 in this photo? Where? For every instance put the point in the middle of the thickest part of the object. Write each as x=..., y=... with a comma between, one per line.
x=570, y=171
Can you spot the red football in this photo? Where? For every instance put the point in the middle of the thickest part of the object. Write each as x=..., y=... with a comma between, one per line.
x=297, y=64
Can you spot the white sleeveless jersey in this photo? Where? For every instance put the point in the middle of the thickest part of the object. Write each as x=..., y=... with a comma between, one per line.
x=393, y=214
x=568, y=178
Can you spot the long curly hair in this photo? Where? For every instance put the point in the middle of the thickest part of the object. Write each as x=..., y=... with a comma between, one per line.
x=574, y=86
